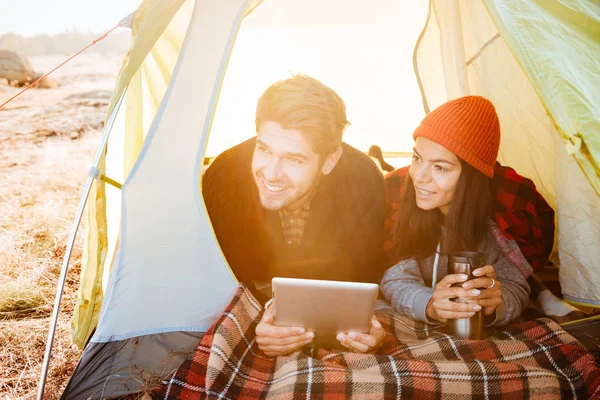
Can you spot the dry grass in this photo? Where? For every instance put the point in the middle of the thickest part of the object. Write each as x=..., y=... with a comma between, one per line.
x=39, y=196
x=19, y=298
x=47, y=141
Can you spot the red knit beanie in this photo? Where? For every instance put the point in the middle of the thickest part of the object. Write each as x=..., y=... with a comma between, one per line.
x=468, y=127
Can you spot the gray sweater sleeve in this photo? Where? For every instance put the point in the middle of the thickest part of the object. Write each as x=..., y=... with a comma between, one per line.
x=515, y=289
x=404, y=288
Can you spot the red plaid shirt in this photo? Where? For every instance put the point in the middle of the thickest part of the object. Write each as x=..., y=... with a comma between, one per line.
x=521, y=213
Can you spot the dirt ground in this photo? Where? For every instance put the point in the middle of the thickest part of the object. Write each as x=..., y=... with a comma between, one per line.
x=47, y=141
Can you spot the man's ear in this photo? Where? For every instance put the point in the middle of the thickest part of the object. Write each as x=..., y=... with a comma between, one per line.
x=331, y=161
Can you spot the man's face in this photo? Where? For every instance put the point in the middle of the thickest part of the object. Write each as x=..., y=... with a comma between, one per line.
x=284, y=166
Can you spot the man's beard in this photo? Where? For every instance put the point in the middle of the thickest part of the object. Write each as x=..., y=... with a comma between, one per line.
x=289, y=196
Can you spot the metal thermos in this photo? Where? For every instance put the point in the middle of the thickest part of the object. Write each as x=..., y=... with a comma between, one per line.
x=465, y=262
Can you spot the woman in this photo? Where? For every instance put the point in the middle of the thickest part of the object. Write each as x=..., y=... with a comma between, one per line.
x=448, y=207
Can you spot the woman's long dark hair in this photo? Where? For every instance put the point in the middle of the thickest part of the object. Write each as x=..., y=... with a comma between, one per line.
x=418, y=231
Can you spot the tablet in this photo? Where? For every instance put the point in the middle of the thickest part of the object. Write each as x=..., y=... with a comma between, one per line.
x=324, y=307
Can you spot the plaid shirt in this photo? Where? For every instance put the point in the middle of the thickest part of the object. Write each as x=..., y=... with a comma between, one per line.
x=536, y=359
x=294, y=221
x=521, y=213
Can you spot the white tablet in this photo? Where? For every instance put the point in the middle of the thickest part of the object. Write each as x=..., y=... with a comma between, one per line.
x=324, y=307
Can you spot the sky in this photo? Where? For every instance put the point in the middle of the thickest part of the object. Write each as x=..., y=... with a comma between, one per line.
x=363, y=50
x=32, y=17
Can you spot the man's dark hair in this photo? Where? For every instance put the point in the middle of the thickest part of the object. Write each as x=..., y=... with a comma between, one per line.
x=305, y=104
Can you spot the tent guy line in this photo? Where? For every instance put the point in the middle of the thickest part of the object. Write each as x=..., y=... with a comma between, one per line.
x=124, y=23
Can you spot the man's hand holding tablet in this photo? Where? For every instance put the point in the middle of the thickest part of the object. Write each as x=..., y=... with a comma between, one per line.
x=280, y=340
x=340, y=313
x=364, y=342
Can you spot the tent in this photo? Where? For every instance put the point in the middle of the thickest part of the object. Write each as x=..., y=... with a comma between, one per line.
x=153, y=276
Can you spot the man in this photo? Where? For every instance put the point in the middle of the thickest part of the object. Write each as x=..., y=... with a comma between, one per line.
x=295, y=201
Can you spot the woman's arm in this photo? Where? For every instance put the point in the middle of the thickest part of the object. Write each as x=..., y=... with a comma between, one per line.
x=515, y=292
x=404, y=287
x=514, y=289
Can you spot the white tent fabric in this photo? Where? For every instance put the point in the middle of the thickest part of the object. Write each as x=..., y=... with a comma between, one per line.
x=579, y=231
x=144, y=93
x=170, y=273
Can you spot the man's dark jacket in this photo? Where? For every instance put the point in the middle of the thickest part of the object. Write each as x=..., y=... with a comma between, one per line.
x=343, y=234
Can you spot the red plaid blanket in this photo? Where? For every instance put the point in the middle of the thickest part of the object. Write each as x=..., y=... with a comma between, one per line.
x=536, y=360
x=522, y=214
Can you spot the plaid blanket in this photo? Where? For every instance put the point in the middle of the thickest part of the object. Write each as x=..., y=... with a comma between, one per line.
x=535, y=360
x=522, y=214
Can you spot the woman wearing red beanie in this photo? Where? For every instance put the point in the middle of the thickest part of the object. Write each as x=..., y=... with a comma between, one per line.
x=448, y=207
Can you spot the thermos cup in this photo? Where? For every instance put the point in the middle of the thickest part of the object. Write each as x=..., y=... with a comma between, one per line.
x=465, y=262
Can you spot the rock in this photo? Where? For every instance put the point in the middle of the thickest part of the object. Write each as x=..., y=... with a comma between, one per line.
x=17, y=71
x=47, y=83
x=15, y=68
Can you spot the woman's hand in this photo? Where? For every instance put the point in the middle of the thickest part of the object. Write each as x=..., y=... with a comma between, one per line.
x=364, y=342
x=442, y=308
x=491, y=293
x=280, y=340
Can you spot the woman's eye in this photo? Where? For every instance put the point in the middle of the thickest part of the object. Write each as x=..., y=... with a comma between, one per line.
x=415, y=157
x=295, y=161
x=440, y=168
x=263, y=149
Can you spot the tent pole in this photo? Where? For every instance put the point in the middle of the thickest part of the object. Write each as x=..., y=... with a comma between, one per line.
x=65, y=266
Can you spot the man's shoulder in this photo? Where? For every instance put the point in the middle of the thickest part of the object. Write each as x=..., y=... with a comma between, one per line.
x=235, y=154
x=358, y=164
x=227, y=175
x=232, y=157
x=359, y=173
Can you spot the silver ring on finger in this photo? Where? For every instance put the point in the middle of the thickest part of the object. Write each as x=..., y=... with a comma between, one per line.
x=493, y=283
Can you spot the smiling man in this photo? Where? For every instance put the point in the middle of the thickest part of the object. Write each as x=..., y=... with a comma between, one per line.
x=295, y=201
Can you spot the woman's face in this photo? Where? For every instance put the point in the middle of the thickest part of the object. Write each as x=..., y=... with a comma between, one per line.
x=434, y=172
